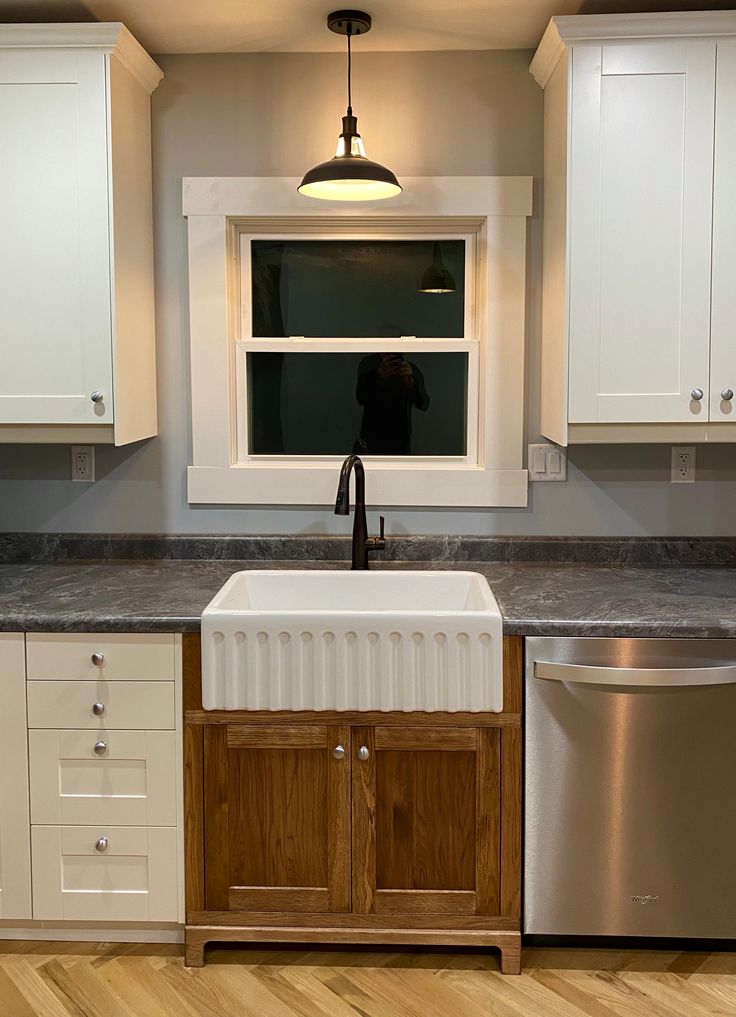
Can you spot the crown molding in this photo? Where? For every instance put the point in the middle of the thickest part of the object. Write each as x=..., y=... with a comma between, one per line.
x=563, y=32
x=110, y=37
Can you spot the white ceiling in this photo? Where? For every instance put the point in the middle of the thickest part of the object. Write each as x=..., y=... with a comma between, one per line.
x=239, y=26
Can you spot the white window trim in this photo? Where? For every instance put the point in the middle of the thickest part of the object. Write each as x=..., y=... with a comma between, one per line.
x=216, y=208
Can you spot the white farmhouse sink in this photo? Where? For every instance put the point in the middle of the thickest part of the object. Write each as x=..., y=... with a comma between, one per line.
x=338, y=640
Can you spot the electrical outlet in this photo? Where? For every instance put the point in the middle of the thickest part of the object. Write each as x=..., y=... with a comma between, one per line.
x=547, y=462
x=683, y=464
x=83, y=463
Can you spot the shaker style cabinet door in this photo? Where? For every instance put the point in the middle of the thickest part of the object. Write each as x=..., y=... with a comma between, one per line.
x=277, y=818
x=55, y=238
x=15, y=834
x=723, y=322
x=640, y=188
x=426, y=821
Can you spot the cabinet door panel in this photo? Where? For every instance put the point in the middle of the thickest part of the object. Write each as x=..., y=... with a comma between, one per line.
x=426, y=821
x=15, y=834
x=640, y=221
x=54, y=241
x=723, y=334
x=277, y=818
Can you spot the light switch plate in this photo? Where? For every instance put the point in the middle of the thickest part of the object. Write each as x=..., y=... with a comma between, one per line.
x=547, y=462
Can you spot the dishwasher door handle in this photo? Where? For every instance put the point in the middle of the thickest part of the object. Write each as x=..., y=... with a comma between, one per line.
x=594, y=674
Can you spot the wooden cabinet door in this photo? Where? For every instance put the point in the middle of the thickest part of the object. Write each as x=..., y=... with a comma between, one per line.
x=426, y=821
x=56, y=340
x=277, y=818
x=640, y=190
x=723, y=323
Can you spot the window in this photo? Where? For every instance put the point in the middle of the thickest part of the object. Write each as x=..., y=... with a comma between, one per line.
x=342, y=351
x=313, y=336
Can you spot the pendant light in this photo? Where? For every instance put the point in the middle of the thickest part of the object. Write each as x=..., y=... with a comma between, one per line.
x=349, y=175
x=437, y=278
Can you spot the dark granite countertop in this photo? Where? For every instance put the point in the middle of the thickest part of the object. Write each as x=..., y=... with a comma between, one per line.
x=540, y=598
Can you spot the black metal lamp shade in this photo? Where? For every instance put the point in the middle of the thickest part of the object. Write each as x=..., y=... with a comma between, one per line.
x=437, y=278
x=350, y=175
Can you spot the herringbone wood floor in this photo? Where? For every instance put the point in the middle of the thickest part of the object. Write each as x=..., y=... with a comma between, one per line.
x=103, y=980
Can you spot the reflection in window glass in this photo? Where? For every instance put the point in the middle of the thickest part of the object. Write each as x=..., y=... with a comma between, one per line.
x=375, y=404
x=355, y=288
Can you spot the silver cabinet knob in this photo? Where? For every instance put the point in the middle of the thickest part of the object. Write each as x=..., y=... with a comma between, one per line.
x=98, y=659
x=99, y=748
x=338, y=752
x=727, y=395
x=97, y=396
x=363, y=753
x=696, y=394
x=102, y=844
x=98, y=709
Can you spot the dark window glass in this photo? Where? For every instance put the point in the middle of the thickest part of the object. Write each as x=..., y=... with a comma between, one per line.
x=376, y=404
x=355, y=288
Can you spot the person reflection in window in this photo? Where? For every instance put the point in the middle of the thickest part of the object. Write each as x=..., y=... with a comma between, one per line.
x=389, y=388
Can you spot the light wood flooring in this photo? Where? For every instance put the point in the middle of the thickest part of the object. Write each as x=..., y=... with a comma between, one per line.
x=103, y=980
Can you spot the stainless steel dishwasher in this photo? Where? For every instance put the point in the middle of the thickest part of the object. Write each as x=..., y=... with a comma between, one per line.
x=630, y=813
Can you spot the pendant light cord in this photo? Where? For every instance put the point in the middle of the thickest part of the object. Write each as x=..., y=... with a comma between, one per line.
x=350, y=71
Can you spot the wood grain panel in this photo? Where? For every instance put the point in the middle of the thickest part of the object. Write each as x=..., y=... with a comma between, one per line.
x=444, y=821
x=511, y=822
x=278, y=816
x=193, y=818
x=513, y=672
x=448, y=739
x=425, y=902
x=191, y=647
x=216, y=818
x=273, y=898
x=339, y=822
x=364, y=821
x=353, y=717
x=488, y=823
x=304, y=736
x=283, y=919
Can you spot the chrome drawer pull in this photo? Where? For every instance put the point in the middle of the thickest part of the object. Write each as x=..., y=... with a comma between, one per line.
x=102, y=844
x=99, y=748
x=98, y=659
x=98, y=709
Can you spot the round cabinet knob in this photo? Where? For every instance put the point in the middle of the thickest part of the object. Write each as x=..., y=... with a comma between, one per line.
x=99, y=748
x=363, y=753
x=727, y=395
x=98, y=709
x=102, y=844
x=97, y=396
x=338, y=752
x=696, y=394
x=98, y=659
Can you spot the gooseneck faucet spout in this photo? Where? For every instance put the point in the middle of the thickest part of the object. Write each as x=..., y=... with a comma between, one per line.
x=361, y=542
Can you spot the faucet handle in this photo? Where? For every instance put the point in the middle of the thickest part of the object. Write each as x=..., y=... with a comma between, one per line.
x=382, y=535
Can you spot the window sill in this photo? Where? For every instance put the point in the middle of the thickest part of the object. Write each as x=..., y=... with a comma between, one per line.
x=387, y=485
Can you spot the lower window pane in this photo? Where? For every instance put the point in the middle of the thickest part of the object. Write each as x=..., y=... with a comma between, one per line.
x=390, y=404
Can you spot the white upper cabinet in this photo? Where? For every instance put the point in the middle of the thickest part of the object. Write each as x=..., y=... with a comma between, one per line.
x=639, y=299
x=76, y=262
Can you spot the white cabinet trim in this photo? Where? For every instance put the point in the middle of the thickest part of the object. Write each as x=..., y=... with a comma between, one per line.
x=15, y=844
x=216, y=476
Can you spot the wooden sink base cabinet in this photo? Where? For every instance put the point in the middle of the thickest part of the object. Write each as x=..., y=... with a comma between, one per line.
x=364, y=828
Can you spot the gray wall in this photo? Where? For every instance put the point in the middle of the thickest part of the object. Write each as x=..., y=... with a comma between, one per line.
x=421, y=113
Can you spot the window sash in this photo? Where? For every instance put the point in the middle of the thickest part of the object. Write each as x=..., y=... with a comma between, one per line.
x=469, y=343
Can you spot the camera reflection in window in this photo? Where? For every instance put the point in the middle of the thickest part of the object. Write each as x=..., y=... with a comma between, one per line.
x=389, y=389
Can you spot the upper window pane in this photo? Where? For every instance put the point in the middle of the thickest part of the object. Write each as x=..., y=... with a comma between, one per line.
x=363, y=289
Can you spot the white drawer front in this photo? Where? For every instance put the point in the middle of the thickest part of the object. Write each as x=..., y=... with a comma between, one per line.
x=134, y=880
x=131, y=782
x=126, y=705
x=53, y=657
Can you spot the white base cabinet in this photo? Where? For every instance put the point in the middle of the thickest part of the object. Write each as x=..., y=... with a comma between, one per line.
x=91, y=738
x=640, y=217
x=103, y=873
x=76, y=250
x=15, y=850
